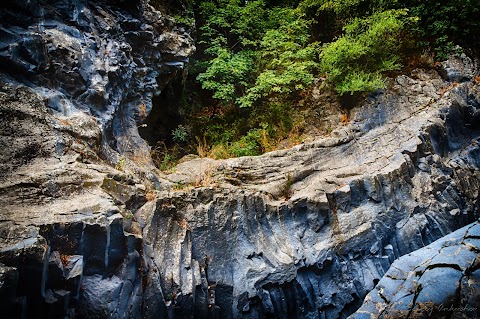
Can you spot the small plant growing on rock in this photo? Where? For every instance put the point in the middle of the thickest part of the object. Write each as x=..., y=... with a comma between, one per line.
x=179, y=186
x=120, y=164
x=179, y=134
x=150, y=196
x=202, y=147
x=286, y=190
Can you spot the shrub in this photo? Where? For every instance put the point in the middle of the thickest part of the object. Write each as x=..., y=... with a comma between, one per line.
x=179, y=134
x=287, y=61
x=355, y=62
x=443, y=24
x=226, y=74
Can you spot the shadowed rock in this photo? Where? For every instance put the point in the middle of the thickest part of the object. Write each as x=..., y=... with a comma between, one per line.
x=440, y=280
x=306, y=232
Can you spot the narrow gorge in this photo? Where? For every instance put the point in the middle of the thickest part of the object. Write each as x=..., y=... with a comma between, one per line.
x=378, y=219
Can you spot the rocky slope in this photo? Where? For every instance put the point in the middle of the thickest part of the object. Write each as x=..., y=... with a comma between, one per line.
x=77, y=79
x=308, y=232
x=89, y=229
x=440, y=280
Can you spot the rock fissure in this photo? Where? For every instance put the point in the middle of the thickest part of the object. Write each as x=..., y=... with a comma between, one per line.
x=90, y=229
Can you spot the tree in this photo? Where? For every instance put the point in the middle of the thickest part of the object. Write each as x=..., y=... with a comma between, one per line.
x=370, y=46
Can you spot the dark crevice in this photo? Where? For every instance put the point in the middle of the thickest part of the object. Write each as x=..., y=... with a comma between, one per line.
x=165, y=116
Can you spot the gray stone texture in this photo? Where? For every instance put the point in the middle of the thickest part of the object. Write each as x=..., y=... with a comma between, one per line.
x=90, y=229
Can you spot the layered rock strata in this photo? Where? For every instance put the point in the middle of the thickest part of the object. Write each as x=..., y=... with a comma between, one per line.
x=89, y=229
x=77, y=79
x=441, y=280
x=308, y=232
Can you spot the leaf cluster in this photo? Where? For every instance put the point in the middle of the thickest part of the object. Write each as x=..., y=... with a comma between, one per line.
x=253, y=51
x=256, y=59
x=369, y=47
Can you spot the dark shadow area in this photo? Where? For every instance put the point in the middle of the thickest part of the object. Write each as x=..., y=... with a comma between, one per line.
x=165, y=116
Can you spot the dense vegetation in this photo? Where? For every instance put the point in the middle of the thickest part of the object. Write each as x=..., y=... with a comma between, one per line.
x=257, y=59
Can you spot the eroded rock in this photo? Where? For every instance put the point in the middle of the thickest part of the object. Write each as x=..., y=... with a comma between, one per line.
x=305, y=232
x=438, y=281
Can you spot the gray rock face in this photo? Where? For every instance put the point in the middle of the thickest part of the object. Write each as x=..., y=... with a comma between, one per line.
x=77, y=78
x=306, y=232
x=440, y=280
x=100, y=58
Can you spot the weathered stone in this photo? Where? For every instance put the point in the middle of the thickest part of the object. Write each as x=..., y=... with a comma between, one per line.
x=432, y=288
x=305, y=232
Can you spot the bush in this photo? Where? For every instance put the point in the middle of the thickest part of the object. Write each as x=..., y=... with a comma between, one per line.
x=257, y=59
x=443, y=24
x=355, y=62
x=226, y=74
x=179, y=134
x=287, y=62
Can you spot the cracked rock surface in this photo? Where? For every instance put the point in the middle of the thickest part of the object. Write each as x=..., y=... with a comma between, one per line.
x=440, y=280
x=76, y=79
x=105, y=59
x=308, y=232
x=89, y=229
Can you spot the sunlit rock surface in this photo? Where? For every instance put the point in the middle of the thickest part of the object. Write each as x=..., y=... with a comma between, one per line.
x=89, y=229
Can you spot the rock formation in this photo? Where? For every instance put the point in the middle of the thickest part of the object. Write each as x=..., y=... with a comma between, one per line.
x=440, y=280
x=307, y=232
x=77, y=80
x=90, y=229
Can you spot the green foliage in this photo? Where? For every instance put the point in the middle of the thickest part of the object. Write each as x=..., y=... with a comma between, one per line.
x=370, y=46
x=120, y=164
x=226, y=74
x=128, y=215
x=257, y=59
x=248, y=145
x=446, y=23
x=179, y=134
x=250, y=57
x=163, y=157
x=348, y=8
x=184, y=20
x=287, y=61
x=255, y=142
x=167, y=163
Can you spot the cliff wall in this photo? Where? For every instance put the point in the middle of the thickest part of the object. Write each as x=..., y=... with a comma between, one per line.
x=90, y=229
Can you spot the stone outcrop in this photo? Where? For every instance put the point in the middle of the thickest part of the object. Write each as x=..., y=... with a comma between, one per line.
x=308, y=232
x=77, y=78
x=441, y=280
x=89, y=229
x=106, y=59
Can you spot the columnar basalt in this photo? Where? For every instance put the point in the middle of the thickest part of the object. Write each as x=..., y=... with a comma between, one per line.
x=402, y=175
x=306, y=232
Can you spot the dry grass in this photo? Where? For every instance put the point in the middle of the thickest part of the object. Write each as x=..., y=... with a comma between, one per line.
x=205, y=179
x=219, y=151
x=444, y=90
x=150, y=193
x=267, y=143
x=141, y=158
x=203, y=150
x=183, y=223
x=150, y=196
x=65, y=122
x=64, y=259
x=142, y=111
